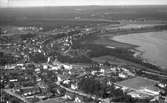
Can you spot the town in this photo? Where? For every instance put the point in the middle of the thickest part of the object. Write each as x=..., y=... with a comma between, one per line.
x=45, y=66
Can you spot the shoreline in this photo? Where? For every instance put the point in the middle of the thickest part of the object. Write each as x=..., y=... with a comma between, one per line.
x=138, y=49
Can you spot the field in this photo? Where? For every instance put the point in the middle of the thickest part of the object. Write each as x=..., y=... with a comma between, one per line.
x=110, y=59
x=94, y=13
x=138, y=83
x=106, y=40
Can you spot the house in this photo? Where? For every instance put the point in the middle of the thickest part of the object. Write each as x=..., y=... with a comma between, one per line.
x=134, y=94
x=165, y=99
x=20, y=65
x=151, y=91
x=29, y=91
x=43, y=87
x=67, y=67
x=109, y=83
x=37, y=70
x=74, y=86
x=77, y=100
x=155, y=99
x=66, y=81
x=69, y=72
x=122, y=75
x=124, y=89
x=59, y=79
x=13, y=80
x=55, y=68
x=102, y=70
x=45, y=66
x=69, y=95
x=93, y=72
x=107, y=100
x=113, y=69
x=10, y=66
x=161, y=85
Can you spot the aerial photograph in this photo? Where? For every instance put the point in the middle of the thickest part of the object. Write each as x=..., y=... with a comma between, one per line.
x=83, y=51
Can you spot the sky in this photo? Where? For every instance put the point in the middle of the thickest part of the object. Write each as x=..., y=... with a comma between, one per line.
x=30, y=3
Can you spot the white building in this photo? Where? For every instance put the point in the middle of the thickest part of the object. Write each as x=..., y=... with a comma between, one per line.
x=74, y=86
x=121, y=75
x=77, y=100
x=67, y=67
x=150, y=92
x=45, y=66
x=134, y=95
x=66, y=82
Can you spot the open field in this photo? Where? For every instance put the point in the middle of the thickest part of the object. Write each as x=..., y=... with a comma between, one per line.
x=138, y=83
x=110, y=59
x=106, y=41
x=83, y=13
x=107, y=12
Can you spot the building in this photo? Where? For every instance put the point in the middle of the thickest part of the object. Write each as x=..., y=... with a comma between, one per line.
x=149, y=91
x=29, y=91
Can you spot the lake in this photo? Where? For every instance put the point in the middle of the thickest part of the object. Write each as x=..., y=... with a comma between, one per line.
x=153, y=44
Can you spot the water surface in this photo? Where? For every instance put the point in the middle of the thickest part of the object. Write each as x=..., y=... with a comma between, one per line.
x=153, y=44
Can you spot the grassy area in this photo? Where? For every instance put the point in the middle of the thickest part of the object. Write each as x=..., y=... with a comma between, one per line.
x=110, y=59
x=138, y=83
x=106, y=40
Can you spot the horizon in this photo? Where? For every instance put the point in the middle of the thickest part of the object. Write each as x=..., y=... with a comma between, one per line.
x=83, y=6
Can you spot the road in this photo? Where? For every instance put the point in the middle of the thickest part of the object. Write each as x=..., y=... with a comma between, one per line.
x=79, y=93
x=156, y=74
x=88, y=95
x=9, y=91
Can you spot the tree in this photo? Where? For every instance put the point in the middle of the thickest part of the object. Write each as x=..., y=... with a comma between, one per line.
x=14, y=100
x=92, y=86
x=106, y=63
